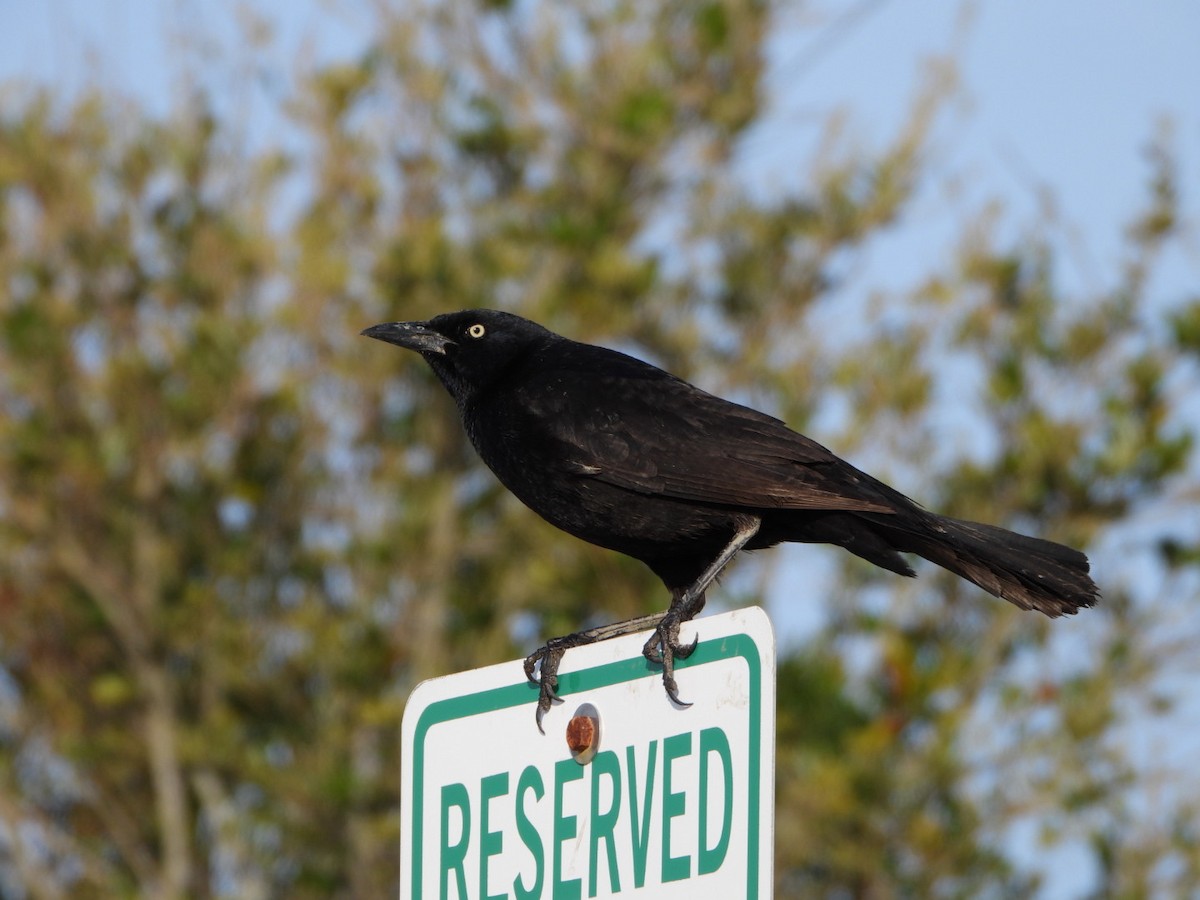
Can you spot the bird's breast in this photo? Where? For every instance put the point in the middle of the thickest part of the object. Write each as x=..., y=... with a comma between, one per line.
x=539, y=461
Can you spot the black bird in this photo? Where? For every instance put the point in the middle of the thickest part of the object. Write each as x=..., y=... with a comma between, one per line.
x=622, y=454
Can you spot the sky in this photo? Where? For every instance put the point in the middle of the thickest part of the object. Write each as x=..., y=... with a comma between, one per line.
x=1062, y=94
x=1059, y=100
x=1060, y=97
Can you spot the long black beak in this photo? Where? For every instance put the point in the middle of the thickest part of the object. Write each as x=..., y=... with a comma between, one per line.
x=410, y=335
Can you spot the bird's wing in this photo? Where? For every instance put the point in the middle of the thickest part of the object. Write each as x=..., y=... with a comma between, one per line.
x=663, y=436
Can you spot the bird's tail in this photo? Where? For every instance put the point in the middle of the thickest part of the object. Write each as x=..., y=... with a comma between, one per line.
x=1029, y=572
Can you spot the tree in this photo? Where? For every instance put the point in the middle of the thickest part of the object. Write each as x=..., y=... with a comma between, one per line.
x=231, y=540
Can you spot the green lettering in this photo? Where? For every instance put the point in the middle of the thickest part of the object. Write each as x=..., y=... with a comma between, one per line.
x=564, y=828
x=455, y=857
x=604, y=764
x=490, y=842
x=640, y=827
x=674, y=868
x=530, y=780
x=714, y=740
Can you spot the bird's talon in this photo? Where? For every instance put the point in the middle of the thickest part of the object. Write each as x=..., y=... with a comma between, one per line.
x=531, y=662
x=545, y=661
x=653, y=652
x=672, y=690
x=683, y=651
x=664, y=648
x=675, y=699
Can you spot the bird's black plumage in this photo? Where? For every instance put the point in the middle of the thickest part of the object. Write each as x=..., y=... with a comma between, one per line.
x=622, y=454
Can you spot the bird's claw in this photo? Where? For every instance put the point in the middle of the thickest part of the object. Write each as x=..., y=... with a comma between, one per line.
x=672, y=689
x=663, y=649
x=684, y=651
x=545, y=660
x=531, y=662
x=546, y=678
x=653, y=651
x=547, y=697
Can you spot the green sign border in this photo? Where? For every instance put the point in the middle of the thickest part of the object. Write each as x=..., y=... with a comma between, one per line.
x=714, y=650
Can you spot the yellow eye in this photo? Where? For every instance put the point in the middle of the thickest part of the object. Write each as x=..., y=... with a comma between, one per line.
x=476, y=330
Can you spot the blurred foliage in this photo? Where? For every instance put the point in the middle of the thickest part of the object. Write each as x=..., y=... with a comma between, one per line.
x=232, y=538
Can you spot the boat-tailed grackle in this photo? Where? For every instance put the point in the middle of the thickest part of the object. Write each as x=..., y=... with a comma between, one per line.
x=622, y=454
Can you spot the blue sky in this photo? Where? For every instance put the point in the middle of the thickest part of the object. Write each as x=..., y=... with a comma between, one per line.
x=1059, y=99
x=1058, y=95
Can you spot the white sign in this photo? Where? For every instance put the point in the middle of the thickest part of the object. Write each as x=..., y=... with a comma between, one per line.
x=668, y=802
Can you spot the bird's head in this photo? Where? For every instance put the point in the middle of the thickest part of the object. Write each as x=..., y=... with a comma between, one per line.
x=467, y=350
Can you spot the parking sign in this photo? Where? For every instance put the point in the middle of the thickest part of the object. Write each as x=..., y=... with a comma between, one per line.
x=654, y=800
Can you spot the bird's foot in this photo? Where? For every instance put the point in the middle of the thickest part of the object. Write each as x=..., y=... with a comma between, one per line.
x=541, y=666
x=664, y=648
x=545, y=661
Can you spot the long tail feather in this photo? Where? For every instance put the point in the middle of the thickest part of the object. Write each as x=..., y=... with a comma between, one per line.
x=1029, y=572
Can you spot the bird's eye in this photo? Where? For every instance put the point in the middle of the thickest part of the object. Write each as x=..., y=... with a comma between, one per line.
x=476, y=330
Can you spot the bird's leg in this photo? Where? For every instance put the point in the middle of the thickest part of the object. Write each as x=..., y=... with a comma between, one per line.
x=663, y=646
x=551, y=654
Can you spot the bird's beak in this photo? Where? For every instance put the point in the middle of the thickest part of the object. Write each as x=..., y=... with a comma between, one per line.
x=411, y=335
